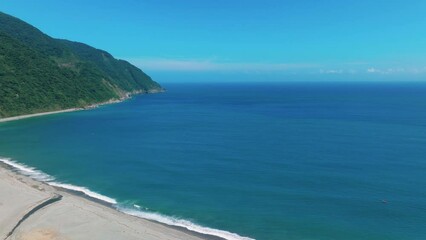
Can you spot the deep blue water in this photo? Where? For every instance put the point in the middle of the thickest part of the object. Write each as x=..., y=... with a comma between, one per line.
x=266, y=161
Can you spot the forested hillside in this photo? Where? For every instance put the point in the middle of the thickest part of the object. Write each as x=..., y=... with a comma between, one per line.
x=39, y=73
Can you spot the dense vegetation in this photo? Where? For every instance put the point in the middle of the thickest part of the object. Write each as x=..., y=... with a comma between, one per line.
x=39, y=73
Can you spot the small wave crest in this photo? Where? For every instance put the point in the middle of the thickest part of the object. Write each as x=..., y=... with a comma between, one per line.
x=136, y=211
x=182, y=223
x=84, y=190
x=43, y=177
x=27, y=171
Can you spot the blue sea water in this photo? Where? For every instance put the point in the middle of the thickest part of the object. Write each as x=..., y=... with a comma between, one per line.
x=265, y=161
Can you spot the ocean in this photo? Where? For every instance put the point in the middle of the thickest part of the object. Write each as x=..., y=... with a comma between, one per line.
x=273, y=161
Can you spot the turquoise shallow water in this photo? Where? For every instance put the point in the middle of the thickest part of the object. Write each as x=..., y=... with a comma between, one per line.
x=266, y=161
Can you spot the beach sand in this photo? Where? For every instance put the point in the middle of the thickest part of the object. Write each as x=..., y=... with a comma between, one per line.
x=38, y=114
x=32, y=210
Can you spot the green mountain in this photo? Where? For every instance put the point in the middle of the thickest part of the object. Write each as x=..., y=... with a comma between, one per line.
x=39, y=73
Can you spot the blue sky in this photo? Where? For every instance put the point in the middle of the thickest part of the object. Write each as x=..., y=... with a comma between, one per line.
x=271, y=39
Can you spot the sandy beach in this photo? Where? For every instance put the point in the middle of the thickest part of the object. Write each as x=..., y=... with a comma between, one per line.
x=32, y=210
x=38, y=115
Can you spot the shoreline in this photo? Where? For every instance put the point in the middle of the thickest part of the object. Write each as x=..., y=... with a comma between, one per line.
x=68, y=214
x=20, y=117
x=93, y=203
x=123, y=98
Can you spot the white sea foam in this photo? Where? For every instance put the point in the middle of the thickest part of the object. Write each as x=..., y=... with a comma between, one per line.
x=183, y=223
x=84, y=190
x=41, y=176
x=27, y=171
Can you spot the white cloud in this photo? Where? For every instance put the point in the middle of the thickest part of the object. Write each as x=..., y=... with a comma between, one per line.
x=338, y=71
x=332, y=71
x=208, y=65
x=372, y=70
x=396, y=70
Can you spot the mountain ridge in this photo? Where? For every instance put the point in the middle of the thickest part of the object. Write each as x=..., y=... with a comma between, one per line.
x=39, y=73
